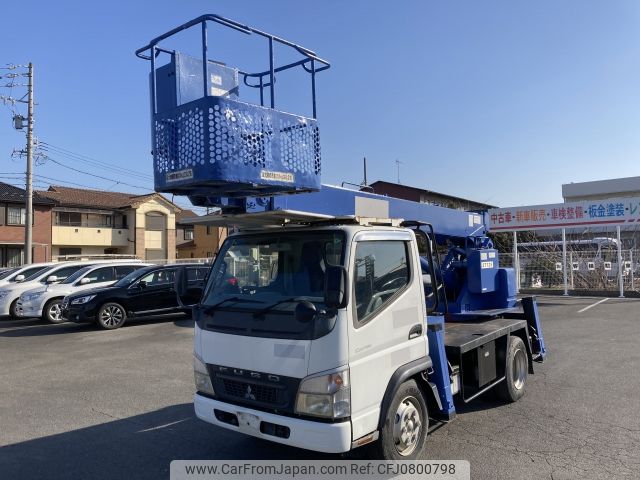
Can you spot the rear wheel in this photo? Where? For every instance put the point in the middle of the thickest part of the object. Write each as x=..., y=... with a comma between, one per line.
x=53, y=311
x=404, y=432
x=516, y=369
x=111, y=316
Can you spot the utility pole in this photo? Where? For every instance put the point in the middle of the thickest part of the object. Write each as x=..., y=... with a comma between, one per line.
x=398, y=162
x=28, y=220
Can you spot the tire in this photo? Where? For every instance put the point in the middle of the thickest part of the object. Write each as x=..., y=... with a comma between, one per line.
x=111, y=316
x=52, y=311
x=516, y=369
x=13, y=309
x=407, y=411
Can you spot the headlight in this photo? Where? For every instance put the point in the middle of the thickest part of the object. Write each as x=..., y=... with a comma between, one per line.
x=327, y=395
x=82, y=300
x=201, y=377
x=31, y=296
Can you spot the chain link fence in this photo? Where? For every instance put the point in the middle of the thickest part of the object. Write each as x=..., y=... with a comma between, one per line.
x=586, y=271
x=595, y=261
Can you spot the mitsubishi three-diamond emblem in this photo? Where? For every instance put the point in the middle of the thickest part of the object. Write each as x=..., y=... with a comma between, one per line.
x=249, y=395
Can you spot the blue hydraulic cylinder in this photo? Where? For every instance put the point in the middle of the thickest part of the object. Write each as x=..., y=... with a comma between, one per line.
x=440, y=376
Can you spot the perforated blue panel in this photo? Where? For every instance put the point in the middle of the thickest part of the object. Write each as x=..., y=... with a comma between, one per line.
x=218, y=146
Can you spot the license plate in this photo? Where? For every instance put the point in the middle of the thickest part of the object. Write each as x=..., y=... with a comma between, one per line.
x=248, y=423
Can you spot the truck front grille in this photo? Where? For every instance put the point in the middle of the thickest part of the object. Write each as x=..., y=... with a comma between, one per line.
x=248, y=391
x=255, y=389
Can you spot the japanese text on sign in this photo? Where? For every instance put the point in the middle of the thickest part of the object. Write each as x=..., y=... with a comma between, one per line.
x=617, y=211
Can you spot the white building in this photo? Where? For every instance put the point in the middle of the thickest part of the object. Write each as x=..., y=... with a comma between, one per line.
x=601, y=189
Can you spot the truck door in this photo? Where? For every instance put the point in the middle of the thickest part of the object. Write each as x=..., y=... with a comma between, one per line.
x=387, y=328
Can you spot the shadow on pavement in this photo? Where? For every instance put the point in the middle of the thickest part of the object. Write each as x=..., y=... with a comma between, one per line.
x=37, y=328
x=140, y=447
x=34, y=327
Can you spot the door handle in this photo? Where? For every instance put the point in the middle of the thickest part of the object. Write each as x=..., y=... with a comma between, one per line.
x=415, y=331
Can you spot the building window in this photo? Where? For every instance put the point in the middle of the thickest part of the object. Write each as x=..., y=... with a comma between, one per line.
x=209, y=254
x=209, y=229
x=15, y=215
x=64, y=251
x=69, y=219
x=77, y=219
x=14, y=257
x=188, y=233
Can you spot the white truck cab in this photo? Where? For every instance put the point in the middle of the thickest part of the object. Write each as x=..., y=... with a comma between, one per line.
x=279, y=357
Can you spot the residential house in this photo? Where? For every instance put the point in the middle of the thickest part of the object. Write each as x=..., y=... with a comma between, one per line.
x=197, y=241
x=94, y=222
x=184, y=233
x=12, y=218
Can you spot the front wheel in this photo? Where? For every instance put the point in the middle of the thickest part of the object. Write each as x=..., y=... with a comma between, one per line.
x=404, y=433
x=111, y=316
x=53, y=311
x=13, y=309
x=516, y=368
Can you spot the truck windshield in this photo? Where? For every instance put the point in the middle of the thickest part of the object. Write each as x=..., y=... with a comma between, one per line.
x=258, y=280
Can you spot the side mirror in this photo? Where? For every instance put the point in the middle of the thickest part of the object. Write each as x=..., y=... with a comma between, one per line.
x=52, y=279
x=19, y=278
x=85, y=281
x=335, y=287
x=305, y=311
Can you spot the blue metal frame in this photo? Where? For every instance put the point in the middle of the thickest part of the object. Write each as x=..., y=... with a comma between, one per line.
x=449, y=224
x=308, y=62
x=212, y=145
x=440, y=375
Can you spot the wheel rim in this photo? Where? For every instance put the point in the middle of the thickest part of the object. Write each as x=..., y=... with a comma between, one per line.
x=55, y=312
x=111, y=316
x=519, y=369
x=407, y=426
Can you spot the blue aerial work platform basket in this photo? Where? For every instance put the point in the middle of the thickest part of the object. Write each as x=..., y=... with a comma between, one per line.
x=213, y=147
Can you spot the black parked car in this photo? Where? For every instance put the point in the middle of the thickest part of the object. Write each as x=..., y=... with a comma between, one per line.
x=147, y=291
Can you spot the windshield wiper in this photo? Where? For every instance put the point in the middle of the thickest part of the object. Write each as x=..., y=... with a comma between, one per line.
x=209, y=310
x=262, y=311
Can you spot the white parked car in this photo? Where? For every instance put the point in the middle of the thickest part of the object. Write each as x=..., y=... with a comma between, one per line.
x=45, y=300
x=20, y=274
x=54, y=273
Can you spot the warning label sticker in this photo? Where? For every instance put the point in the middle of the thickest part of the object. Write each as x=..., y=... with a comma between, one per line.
x=277, y=176
x=185, y=174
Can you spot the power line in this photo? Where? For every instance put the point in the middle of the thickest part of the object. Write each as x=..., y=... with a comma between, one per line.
x=57, y=162
x=93, y=162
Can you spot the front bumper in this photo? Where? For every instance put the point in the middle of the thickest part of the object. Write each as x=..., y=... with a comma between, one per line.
x=85, y=313
x=5, y=303
x=28, y=309
x=316, y=436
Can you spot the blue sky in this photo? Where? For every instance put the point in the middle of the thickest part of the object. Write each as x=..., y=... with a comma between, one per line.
x=498, y=101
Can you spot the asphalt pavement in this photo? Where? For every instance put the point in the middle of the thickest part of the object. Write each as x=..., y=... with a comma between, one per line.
x=78, y=402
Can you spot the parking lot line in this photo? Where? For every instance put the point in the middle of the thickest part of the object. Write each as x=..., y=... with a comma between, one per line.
x=593, y=305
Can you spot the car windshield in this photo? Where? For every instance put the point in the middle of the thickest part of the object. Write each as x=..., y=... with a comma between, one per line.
x=129, y=279
x=4, y=274
x=72, y=278
x=264, y=277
